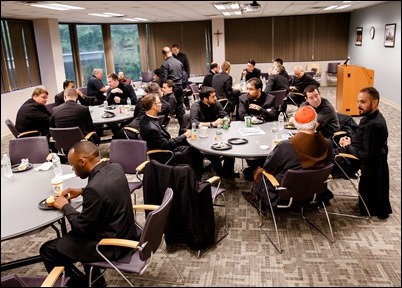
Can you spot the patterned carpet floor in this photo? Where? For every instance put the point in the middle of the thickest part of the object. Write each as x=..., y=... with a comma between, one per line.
x=365, y=252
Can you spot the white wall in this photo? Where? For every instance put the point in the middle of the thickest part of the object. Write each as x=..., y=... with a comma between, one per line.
x=385, y=61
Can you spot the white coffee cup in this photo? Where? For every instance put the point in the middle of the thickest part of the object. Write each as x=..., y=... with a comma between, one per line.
x=57, y=184
x=204, y=132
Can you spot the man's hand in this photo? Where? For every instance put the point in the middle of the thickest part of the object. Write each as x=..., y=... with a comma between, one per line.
x=117, y=99
x=71, y=193
x=344, y=141
x=60, y=202
x=188, y=133
x=254, y=107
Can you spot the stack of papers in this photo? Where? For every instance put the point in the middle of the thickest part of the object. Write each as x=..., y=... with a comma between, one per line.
x=251, y=131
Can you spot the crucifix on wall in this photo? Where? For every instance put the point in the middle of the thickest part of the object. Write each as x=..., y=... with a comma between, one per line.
x=218, y=33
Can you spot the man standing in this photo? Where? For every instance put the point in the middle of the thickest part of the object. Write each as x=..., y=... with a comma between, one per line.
x=208, y=112
x=173, y=69
x=95, y=86
x=181, y=57
x=369, y=144
x=106, y=213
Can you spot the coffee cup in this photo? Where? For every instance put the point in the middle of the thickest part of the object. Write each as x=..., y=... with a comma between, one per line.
x=204, y=132
x=57, y=184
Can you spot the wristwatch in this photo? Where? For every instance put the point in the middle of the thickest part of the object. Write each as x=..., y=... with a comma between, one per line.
x=211, y=125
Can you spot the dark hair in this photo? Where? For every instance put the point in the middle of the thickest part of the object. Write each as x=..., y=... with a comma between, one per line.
x=158, y=72
x=175, y=46
x=309, y=89
x=256, y=82
x=213, y=65
x=279, y=60
x=251, y=61
x=153, y=87
x=170, y=83
x=148, y=100
x=66, y=83
x=374, y=94
x=205, y=92
x=113, y=76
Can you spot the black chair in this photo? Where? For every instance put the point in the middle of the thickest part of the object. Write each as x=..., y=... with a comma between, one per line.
x=280, y=100
x=17, y=134
x=50, y=107
x=196, y=92
x=143, y=250
x=52, y=280
x=36, y=149
x=332, y=73
x=298, y=189
x=65, y=138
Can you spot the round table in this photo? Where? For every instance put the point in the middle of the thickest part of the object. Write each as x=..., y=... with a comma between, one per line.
x=121, y=114
x=260, y=140
x=21, y=194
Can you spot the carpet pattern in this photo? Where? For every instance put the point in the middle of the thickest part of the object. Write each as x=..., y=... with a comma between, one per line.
x=365, y=252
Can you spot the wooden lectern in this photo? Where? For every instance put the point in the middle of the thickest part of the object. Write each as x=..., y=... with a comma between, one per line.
x=350, y=80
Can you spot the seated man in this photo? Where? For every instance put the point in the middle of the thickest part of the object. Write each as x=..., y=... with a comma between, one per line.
x=298, y=83
x=95, y=86
x=71, y=114
x=106, y=213
x=33, y=114
x=158, y=138
x=256, y=103
x=118, y=92
x=327, y=118
x=306, y=150
x=59, y=97
x=209, y=113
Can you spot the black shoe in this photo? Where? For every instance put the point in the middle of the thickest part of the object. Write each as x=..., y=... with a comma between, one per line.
x=248, y=173
x=230, y=175
x=251, y=198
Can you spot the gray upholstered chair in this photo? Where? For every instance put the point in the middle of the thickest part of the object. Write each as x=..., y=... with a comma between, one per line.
x=36, y=149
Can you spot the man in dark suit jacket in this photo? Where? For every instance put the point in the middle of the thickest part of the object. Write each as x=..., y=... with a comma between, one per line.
x=33, y=114
x=222, y=83
x=250, y=71
x=213, y=70
x=106, y=213
x=71, y=114
x=59, y=97
x=118, y=92
x=158, y=137
x=299, y=82
x=276, y=80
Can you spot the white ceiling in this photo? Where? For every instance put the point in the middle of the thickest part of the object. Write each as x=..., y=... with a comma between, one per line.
x=166, y=11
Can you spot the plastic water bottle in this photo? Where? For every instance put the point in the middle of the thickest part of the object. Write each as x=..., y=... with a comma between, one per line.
x=281, y=120
x=105, y=104
x=78, y=102
x=128, y=101
x=6, y=166
x=218, y=135
x=194, y=135
x=57, y=165
x=225, y=123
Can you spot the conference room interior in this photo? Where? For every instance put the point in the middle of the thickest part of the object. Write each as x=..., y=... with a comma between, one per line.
x=365, y=252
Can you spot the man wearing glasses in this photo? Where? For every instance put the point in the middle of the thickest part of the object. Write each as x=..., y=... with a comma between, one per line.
x=158, y=137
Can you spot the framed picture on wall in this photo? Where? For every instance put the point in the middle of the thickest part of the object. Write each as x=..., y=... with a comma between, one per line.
x=389, y=39
x=359, y=36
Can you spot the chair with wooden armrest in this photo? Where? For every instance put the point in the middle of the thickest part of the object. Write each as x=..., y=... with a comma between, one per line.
x=298, y=188
x=65, y=138
x=35, y=149
x=17, y=134
x=343, y=161
x=52, y=280
x=144, y=249
x=160, y=155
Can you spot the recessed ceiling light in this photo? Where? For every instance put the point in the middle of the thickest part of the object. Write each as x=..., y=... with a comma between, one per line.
x=331, y=7
x=100, y=15
x=56, y=6
x=342, y=7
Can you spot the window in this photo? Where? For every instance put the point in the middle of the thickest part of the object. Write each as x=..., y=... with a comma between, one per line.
x=126, y=50
x=19, y=68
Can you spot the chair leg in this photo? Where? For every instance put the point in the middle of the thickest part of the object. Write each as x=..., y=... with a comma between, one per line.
x=277, y=246
x=332, y=238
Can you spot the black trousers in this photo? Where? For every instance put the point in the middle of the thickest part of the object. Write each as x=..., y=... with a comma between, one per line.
x=178, y=93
